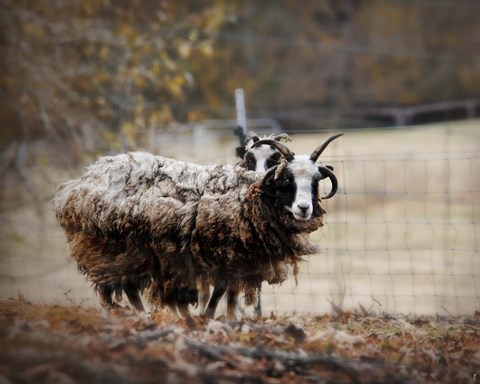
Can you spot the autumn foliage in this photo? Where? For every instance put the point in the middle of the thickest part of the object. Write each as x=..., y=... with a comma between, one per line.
x=90, y=75
x=91, y=72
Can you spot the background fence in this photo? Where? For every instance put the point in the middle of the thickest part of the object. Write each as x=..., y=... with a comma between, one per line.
x=401, y=235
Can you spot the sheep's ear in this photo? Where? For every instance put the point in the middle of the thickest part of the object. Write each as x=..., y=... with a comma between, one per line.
x=240, y=151
x=269, y=176
x=252, y=136
x=281, y=136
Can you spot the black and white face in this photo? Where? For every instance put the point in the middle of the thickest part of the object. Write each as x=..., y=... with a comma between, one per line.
x=305, y=176
x=293, y=183
x=296, y=189
x=260, y=159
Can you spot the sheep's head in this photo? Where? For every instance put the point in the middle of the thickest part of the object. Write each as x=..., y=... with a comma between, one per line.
x=294, y=181
x=261, y=157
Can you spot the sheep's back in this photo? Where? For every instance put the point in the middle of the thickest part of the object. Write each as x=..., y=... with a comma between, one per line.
x=120, y=193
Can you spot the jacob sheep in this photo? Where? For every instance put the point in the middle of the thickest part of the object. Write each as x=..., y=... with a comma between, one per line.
x=258, y=159
x=133, y=218
x=294, y=175
x=262, y=157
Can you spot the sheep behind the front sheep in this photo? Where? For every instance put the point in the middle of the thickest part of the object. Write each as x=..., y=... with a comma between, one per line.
x=132, y=219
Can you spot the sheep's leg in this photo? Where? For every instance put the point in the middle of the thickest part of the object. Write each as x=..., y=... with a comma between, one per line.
x=184, y=297
x=183, y=310
x=232, y=301
x=106, y=292
x=217, y=294
x=252, y=297
x=203, y=296
x=134, y=298
x=258, y=302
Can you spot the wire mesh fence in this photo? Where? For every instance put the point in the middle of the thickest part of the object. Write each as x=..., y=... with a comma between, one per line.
x=401, y=235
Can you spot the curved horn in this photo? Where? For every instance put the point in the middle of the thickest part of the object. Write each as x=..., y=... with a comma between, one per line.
x=318, y=151
x=327, y=173
x=289, y=155
x=280, y=136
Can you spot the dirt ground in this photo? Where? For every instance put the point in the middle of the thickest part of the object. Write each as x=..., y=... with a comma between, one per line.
x=77, y=344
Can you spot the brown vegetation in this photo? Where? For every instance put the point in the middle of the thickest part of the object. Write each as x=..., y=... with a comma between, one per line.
x=52, y=343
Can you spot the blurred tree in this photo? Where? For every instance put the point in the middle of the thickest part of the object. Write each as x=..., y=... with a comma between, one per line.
x=83, y=73
x=92, y=72
x=326, y=55
x=416, y=51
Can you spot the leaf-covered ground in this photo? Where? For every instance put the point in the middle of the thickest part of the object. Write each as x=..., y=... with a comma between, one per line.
x=73, y=344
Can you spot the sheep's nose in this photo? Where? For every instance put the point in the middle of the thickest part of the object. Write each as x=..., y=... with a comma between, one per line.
x=303, y=207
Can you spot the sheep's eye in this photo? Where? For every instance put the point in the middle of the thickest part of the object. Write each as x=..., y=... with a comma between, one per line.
x=250, y=162
x=271, y=163
x=273, y=160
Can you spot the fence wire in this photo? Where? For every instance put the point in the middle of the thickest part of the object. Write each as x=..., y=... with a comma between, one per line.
x=400, y=236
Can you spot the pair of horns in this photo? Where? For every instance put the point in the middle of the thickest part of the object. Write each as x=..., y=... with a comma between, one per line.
x=289, y=156
x=277, y=137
